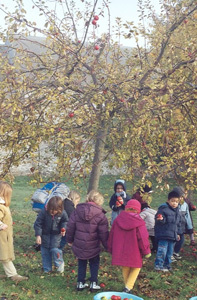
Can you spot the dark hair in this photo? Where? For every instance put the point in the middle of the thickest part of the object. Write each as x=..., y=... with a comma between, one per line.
x=173, y=194
x=144, y=205
x=55, y=203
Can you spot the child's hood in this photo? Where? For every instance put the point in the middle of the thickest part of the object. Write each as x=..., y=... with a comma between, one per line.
x=128, y=221
x=87, y=211
x=2, y=201
x=122, y=182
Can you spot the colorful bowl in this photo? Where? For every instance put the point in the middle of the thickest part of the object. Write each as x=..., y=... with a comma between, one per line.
x=122, y=295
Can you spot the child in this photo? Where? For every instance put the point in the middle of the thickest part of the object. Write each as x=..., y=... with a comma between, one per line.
x=167, y=222
x=186, y=222
x=50, y=226
x=87, y=227
x=148, y=215
x=118, y=199
x=70, y=204
x=6, y=234
x=192, y=207
x=143, y=194
x=128, y=243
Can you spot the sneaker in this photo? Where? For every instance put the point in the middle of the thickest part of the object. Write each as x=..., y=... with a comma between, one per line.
x=173, y=259
x=165, y=270
x=177, y=256
x=18, y=278
x=81, y=286
x=126, y=290
x=60, y=269
x=94, y=286
x=192, y=243
x=157, y=269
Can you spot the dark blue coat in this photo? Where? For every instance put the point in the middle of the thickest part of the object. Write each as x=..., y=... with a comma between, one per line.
x=169, y=227
x=49, y=228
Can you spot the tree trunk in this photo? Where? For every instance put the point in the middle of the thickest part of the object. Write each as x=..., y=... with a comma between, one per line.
x=98, y=158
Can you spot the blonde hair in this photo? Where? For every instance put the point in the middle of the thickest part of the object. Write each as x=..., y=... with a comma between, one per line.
x=55, y=204
x=74, y=197
x=5, y=192
x=96, y=197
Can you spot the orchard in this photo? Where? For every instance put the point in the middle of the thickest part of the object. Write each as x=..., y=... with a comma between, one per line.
x=89, y=100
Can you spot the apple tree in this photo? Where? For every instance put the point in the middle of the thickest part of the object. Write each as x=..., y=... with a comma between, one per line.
x=84, y=98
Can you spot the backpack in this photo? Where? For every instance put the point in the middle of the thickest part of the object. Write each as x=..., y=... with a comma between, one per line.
x=43, y=195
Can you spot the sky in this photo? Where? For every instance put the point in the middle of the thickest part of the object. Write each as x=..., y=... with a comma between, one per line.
x=125, y=9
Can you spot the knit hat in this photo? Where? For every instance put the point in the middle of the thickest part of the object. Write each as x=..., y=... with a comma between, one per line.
x=135, y=204
x=179, y=190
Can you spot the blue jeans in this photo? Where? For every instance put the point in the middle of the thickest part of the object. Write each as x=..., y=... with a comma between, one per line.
x=178, y=245
x=49, y=255
x=164, y=253
x=94, y=267
x=63, y=242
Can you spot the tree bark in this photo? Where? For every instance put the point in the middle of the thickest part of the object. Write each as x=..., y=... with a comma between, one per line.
x=98, y=158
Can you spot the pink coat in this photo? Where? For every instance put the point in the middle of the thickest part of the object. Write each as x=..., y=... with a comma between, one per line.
x=128, y=240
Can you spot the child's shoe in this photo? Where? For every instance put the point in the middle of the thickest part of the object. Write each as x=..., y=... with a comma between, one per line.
x=173, y=259
x=81, y=286
x=18, y=278
x=177, y=256
x=94, y=286
x=126, y=290
x=60, y=269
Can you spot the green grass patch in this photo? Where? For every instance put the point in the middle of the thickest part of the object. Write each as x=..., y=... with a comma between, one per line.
x=178, y=285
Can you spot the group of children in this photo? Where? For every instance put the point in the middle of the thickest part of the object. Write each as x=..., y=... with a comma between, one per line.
x=84, y=226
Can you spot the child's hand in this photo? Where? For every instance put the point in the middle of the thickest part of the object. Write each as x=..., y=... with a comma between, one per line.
x=178, y=237
x=4, y=227
x=159, y=217
x=63, y=231
x=70, y=244
x=119, y=201
x=38, y=240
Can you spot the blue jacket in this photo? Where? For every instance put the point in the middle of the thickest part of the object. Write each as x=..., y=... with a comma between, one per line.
x=170, y=226
x=49, y=228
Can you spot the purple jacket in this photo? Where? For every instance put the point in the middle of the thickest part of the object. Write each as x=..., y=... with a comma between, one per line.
x=128, y=240
x=87, y=227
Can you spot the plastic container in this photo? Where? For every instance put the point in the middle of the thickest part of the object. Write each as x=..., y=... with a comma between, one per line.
x=193, y=298
x=122, y=295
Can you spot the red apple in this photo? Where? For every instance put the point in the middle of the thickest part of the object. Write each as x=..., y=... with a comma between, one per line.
x=94, y=22
x=102, y=285
x=159, y=217
x=96, y=18
x=79, y=42
x=96, y=47
x=71, y=114
x=63, y=229
x=185, y=21
x=122, y=100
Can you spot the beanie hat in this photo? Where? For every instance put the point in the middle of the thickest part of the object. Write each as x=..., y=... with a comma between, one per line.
x=179, y=190
x=135, y=204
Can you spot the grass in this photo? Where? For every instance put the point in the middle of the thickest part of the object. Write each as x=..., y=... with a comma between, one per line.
x=178, y=285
